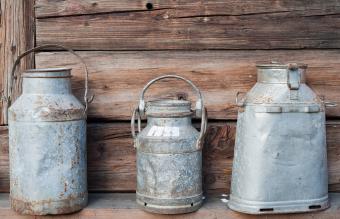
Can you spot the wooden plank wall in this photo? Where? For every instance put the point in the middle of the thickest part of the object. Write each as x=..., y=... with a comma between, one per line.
x=215, y=43
x=16, y=36
x=111, y=157
x=189, y=24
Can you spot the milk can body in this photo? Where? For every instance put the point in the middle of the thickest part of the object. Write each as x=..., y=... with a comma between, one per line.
x=280, y=162
x=47, y=143
x=47, y=133
x=169, y=159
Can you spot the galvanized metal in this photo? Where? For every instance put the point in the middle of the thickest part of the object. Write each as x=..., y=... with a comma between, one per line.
x=280, y=162
x=47, y=145
x=169, y=154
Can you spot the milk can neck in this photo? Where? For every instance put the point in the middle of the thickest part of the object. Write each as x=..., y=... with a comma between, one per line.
x=46, y=81
x=278, y=73
x=178, y=121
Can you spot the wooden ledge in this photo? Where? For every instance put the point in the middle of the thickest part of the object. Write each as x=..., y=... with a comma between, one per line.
x=123, y=206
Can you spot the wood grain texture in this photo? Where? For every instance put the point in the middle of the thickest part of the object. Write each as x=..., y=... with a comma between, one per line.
x=2, y=55
x=16, y=36
x=123, y=206
x=111, y=157
x=211, y=25
x=48, y=8
x=4, y=160
x=117, y=78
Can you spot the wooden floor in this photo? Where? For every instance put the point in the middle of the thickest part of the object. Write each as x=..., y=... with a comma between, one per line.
x=123, y=206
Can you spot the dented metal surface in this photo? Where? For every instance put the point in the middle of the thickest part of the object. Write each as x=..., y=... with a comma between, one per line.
x=169, y=156
x=280, y=162
x=47, y=145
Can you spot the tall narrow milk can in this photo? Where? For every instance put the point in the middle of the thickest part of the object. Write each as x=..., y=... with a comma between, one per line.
x=169, y=153
x=47, y=142
x=280, y=162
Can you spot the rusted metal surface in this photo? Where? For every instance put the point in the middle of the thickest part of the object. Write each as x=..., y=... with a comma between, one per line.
x=169, y=155
x=47, y=138
x=280, y=162
x=47, y=144
x=63, y=206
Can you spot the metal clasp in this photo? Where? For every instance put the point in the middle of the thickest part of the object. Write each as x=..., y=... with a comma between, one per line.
x=294, y=78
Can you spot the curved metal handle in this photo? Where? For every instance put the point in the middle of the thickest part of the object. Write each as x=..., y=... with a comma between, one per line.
x=201, y=111
x=199, y=102
x=133, y=119
x=330, y=104
x=238, y=102
x=327, y=103
x=204, y=125
x=14, y=77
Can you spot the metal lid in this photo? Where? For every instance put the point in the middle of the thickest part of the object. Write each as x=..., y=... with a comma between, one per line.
x=168, y=108
x=278, y=73
x=278, y=65
x=47, y=73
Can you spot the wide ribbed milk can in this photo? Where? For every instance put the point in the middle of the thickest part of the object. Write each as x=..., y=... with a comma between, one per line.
x=169, y=153
x=280, y=160
x=47, y=143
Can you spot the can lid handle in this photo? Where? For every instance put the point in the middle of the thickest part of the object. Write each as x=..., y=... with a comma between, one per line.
x=200, y=110
x=199, y=102
x=14, y=75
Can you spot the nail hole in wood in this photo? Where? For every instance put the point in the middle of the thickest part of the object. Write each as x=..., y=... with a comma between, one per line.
x=149, y=6
x=182, y=96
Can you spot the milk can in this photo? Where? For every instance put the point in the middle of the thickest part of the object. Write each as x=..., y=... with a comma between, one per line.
x=280, y=162
x=47, y=143
x=169, y=153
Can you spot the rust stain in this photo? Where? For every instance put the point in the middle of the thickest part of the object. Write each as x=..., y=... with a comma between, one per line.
x=65, y=187
x=31, y=207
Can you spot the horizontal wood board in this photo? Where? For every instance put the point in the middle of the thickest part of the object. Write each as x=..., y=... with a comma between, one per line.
x=183, y=25
x=117, y=78
x=48, y=8
x=111, y=157
x=123, y=206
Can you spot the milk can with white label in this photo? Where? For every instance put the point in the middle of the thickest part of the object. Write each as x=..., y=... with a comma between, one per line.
x=47, y=142
x=280, y=162
x=169, y=153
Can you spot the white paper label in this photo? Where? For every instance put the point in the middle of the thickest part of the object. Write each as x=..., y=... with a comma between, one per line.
x=158, y=131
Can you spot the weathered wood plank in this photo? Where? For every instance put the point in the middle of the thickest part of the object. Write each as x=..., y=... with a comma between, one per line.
x=16, y=36
x=315, y=25
x=4, y=161
x=47, y=8
x=116, y=78
x=2, y=55
x=111, y=157
x=123, y=205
